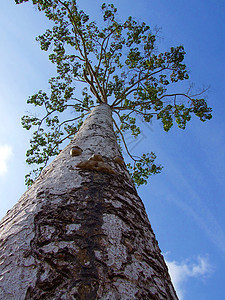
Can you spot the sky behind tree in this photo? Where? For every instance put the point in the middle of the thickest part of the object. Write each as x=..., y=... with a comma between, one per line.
x=185, y=203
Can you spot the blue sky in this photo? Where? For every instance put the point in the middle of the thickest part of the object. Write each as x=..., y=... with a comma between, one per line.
x=185, y=203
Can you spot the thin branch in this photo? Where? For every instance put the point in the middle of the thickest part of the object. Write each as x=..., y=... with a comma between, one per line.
x=54, y=111
x=76, y=56
x=92, y=87
x=127, y=115
x=57, y=144
x=48, y=114
x=124, y=142
x=64, y=139
x=74, y=27
x=78, y=100
x=178, y=94
x=104, y=48
x=74, y=119
x=200, y=93
x=119, y=99
x=85, y=56
x=137, y=111
x=89, y=67
x=149, y=102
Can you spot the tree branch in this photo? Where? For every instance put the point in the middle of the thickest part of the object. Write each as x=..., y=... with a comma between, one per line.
x=102, y=46
x=126, y=92
x=66, y=121
x=124, y=142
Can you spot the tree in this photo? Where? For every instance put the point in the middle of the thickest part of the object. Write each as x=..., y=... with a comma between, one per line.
x=81, y=231
x=117, y=64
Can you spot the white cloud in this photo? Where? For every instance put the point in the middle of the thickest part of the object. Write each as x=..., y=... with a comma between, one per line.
x=181, y=272
x=5, y=155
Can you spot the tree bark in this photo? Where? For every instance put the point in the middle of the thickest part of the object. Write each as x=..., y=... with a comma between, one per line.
x=81, y=232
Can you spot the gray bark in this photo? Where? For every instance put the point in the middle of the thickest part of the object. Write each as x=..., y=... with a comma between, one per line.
x=82, y=233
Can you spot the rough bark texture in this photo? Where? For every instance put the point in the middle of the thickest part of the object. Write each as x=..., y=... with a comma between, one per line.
x=82, y=234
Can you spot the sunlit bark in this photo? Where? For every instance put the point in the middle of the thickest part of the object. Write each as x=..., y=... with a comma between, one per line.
x=82, y=233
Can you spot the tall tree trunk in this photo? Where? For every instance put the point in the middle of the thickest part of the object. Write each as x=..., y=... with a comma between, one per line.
x=81, y=232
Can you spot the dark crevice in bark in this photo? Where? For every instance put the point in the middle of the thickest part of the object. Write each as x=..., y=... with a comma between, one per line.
x=78, y=272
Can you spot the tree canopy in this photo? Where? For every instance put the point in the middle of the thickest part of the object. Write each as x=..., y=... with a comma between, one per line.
x=110, y=62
